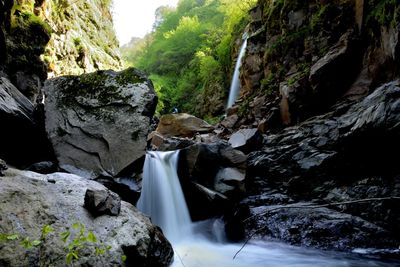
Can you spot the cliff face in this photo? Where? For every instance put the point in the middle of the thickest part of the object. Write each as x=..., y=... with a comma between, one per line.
x=303, y=57
x=43, y=38
x=83, y=40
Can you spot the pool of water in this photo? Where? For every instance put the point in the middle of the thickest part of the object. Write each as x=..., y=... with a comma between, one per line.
x=200, y=252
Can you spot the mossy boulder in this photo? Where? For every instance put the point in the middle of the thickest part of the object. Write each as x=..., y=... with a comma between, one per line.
x=98, y=122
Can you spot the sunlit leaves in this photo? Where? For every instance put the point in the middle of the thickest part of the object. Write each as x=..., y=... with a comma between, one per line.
x=189, y=56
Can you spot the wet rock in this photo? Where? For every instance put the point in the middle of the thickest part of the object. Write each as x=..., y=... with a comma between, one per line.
x=246, y=140
x=318, y=143
x=3, y=167
x=43, y=167
x=182, y=125
x=230, y=182
x=323, y=228
x=198, y=167
x=205, y=203
x=159, y=255
x=341, y=156
x=98, y=123
x=126, y=188
x=201, y=162
x=28, y=84
x=296, y=19
x=332, y=75
x=233, y=157
x=30, y=201
x=162, y=143
x=102, y=201
x=230, y=121
x=21, y=140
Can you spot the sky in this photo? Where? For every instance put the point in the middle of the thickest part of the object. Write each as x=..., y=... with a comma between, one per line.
x=135, y=18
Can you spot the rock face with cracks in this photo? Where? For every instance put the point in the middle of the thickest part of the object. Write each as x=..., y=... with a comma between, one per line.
x=98, y=122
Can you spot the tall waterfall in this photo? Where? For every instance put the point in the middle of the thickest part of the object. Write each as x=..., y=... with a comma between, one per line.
x=235, y=84
x=162, y=197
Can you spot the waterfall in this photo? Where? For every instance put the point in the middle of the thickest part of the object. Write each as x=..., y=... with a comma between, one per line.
x=235, y=84
x=162, y=197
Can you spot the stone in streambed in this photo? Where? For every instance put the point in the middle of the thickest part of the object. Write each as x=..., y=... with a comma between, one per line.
x=182, y=125
x=246, y=140
x=229, y=181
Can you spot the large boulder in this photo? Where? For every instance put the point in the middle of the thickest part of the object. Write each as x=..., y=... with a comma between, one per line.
x=22, y=140
x=98, y=122
x=31, y=201
x=182, y=125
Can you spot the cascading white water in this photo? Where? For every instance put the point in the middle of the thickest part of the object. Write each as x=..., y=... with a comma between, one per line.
x=235, y=84
x=163, y=200
x=162, y=197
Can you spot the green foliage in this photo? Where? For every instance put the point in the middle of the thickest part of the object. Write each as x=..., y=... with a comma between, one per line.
x=188, y=56
x=75, y=242
x=384, y=12
x=26, y=20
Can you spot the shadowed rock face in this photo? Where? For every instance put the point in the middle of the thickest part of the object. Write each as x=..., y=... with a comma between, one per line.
x=98, y=122
x=34, y=200
x=344, y=155
x=22, y=139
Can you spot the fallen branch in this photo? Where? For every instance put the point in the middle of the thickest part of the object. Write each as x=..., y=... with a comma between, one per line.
x=247, y=240
x=306, y=207
x=179, y=256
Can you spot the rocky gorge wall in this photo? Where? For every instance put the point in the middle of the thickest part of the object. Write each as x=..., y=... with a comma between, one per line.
x=320, y=81
x=303, y=57
x=41, y=39
x=47, y=38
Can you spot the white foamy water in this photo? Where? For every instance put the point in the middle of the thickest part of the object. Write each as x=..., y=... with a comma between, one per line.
x=162, y=197
x=235, y=83
x=196, y=244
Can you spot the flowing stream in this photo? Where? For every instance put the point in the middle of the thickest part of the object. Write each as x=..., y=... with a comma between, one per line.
x=235, y=84
x=201, y=244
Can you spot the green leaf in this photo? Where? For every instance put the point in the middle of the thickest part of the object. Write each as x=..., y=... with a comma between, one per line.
x=69, y=257
x=77, y=225
x=72, y=255
x=27, y=243
x=108, y=247
x=123, y=258
x=12, y=237
x=75, y=255
x=99, y=251
x=36, y=243
x=46, y=230
x=65, y=236
x=91, y=237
